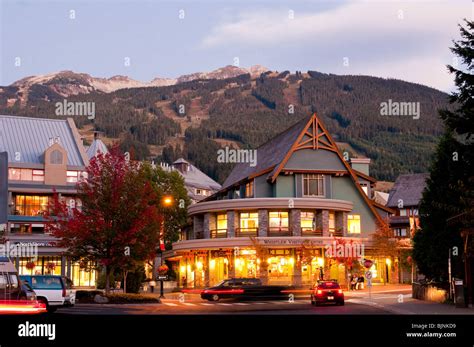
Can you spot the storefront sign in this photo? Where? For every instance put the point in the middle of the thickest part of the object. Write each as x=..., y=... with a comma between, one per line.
x=217, y=254
x=290, y=242
x=162, y=278
x=36, y=244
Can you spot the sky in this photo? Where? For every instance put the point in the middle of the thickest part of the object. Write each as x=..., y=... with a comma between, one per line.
x=407, y=40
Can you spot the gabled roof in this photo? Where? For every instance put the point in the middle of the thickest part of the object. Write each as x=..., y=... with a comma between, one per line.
x=269, y=154
x=309, y=133
x=196, y=178
x=409, y=189
x=96, y=147
x=30, y=137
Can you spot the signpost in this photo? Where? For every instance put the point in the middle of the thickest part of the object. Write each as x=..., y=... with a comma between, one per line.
x=368, y=276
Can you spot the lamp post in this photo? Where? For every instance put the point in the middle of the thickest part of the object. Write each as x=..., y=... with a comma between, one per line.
x=166, y=201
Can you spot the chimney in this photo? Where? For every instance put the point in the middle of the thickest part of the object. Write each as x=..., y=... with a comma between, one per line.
x=361, y=164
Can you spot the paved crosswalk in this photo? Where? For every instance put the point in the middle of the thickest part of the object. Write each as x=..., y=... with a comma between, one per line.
x=250, y=303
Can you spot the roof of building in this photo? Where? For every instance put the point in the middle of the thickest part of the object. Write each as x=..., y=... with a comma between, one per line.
x=96, y=147
x=195, y=177
x=381, y=197
x=269, y=154
x=409, y=189
x=30, y=137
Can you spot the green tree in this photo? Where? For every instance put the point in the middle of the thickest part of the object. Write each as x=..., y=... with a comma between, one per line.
x=449, y=188
x=169, y=184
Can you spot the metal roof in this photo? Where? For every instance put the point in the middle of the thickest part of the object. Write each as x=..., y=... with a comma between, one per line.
x=194, y=177
x=30, y=137
x=96, y=147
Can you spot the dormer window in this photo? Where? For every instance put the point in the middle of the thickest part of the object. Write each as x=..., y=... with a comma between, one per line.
x=56, y=157
x=313, y=185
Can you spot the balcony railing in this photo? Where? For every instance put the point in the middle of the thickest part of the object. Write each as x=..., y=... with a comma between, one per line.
x=336, y=233
x=245, y=232
x=311, y=232
x=218, y=233
x=279, y=231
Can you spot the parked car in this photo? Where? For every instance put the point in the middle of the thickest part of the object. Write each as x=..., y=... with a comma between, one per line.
x=70, y=299
x=243, y=288
x=49, y=289
x=10, y=286
x=327, y=292
x=30, y=293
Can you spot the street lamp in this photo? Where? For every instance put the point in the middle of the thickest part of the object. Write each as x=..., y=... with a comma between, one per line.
x=166, y=201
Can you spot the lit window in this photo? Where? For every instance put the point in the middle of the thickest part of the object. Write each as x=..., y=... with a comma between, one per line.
x=332, y=222
x=222, y=221
x=73, y=176
x=308, y=221
x=353, y=223
x=400, y=232
x=403, y=212
x=38, y=175
x=14, y=174
x=30, y=205
x=278, y=220
x=249, y=220
x=249, y=189
x=313, y=185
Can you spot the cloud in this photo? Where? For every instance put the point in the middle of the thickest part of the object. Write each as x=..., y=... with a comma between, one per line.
x=406, y=40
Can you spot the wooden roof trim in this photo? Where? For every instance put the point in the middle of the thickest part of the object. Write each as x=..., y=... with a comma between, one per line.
x=383, y=207
x=354, y=178
x=363, y=175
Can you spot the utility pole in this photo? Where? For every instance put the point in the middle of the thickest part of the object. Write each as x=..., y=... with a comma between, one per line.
x=449, y=274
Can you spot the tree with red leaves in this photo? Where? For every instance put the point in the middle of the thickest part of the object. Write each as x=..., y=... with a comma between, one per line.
x=118, y=222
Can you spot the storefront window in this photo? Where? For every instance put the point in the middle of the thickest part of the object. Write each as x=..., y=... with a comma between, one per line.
x=353, y=223
x=30, y=205
x=46, y=265
x=83, y=274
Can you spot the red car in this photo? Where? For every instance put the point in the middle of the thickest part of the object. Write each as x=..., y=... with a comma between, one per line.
x=327, y=292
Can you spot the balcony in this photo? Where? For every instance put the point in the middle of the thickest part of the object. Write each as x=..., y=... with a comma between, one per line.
x=218, y=233
x=336, y=233
x=246, y=232
x=311, y=232
x=279, y=231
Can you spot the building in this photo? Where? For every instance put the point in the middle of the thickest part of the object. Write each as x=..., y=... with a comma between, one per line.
x=404, y=198
x=280, y=219
x=198, y=185
x=44, y=156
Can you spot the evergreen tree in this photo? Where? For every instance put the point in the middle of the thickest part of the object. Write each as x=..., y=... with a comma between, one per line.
x=449, y=189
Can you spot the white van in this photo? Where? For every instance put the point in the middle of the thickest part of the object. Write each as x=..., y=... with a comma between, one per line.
x=49, y=289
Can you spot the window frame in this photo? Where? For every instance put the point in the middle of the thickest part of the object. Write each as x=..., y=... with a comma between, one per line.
x=306, y=184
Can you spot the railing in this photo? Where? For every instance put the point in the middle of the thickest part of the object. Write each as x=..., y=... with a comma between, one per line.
x=336, y=233
x=218, y=233
x=243, y=232
x=28, y=210
x=311, y=232
x=279, y=231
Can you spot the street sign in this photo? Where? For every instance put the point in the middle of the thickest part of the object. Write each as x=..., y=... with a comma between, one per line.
x=163, y=278
x=368, y=263
x=368, y=275
x=369, y=283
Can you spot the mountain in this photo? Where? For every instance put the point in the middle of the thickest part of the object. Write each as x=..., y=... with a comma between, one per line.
x=195, y=115
x=67, y=83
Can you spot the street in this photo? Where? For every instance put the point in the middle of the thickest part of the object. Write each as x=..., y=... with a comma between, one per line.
x=380, y=302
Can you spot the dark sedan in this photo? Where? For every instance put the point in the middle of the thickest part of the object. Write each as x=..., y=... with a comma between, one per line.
x=247, y=288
